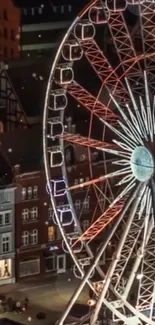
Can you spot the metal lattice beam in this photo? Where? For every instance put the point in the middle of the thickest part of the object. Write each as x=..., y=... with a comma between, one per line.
x=147, y=28
x=107, y=217
x=83, y=141
x=131, y=239
x=147, y=24
x=147, y=283
x=127, y=250
x=125, y=50
x=90, y=102
x=104, y=70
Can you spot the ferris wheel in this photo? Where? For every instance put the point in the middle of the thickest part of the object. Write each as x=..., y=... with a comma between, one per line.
x=105, y=70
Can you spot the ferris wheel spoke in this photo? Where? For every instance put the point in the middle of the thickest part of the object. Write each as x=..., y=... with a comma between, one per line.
x=141, y=215
x=104, y=70
x=148, y=108
x=130, y=142
x=117, y=173
x=107, y=217
x=90, y=103
x=145, y=302
x=130, y=241
x=138, y=121
x=133, y=208
x=135, y=131
x=136, y=264
x=147, y=25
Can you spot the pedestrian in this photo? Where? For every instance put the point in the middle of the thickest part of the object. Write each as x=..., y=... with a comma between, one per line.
x=18, y=306
x=26, y=302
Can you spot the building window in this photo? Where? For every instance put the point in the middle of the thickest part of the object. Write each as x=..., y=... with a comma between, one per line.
x=29, y=267
x=5, y=52
x=6, y=242
x=5, y=218
x=50, y=212
x=24, y=11
x=51, y=263
x=29, y=192
x=34, y=213
x=5, y=14
x=77, y=205
x=25, y=238
x=32, y=11
x=5, y=33
x=35, y=192
x=40, y=11
x=51, y=233
x=34, y=237
x=12, y=35
x=25, y=214
x=86, y=204
x=6, y=197
x=102, y=203
x=23, y=193
x=85, y=225
x=12, y=52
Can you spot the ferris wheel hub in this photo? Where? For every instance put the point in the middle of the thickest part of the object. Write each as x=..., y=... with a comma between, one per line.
x=142, y=164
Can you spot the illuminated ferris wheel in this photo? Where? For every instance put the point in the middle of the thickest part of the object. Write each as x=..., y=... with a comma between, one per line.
x=105, y=67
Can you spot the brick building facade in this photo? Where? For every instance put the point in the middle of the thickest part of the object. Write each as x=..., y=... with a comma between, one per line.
x=9, y=30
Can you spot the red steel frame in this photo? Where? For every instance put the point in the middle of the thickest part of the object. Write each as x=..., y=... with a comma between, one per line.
x=147, y=26
x=92, y=143
x=102, y=68
x=107, y=217
x=90, y=102
x=125, y=50
x=146, y=14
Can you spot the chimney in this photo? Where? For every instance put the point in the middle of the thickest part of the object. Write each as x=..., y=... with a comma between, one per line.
x=16, y=170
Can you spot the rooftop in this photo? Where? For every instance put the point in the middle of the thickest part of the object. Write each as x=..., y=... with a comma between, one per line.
x=50, y=10
x=27, y=152
x=29, y=79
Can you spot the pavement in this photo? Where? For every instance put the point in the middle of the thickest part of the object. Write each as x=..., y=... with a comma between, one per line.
x=49, y=295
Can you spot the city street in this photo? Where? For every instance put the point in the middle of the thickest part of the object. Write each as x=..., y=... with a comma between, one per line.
x=49, y=296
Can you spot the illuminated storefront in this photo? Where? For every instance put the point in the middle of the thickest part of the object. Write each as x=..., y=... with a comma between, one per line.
x=55, y=259
x=7, y=236
x=7, y=270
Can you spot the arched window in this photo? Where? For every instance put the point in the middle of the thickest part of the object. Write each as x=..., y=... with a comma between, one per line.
x=34, y=237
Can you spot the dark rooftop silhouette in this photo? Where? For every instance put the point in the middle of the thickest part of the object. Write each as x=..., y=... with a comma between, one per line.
x=23, y=147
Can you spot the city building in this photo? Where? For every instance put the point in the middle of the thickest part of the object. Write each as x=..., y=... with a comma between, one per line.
x=29, y=78
x=44, y=24
x=7, y=235
x=9, y=30
x=37, y=238
x=12, y=115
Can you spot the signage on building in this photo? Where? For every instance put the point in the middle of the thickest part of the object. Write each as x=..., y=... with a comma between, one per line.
x=54, y=247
